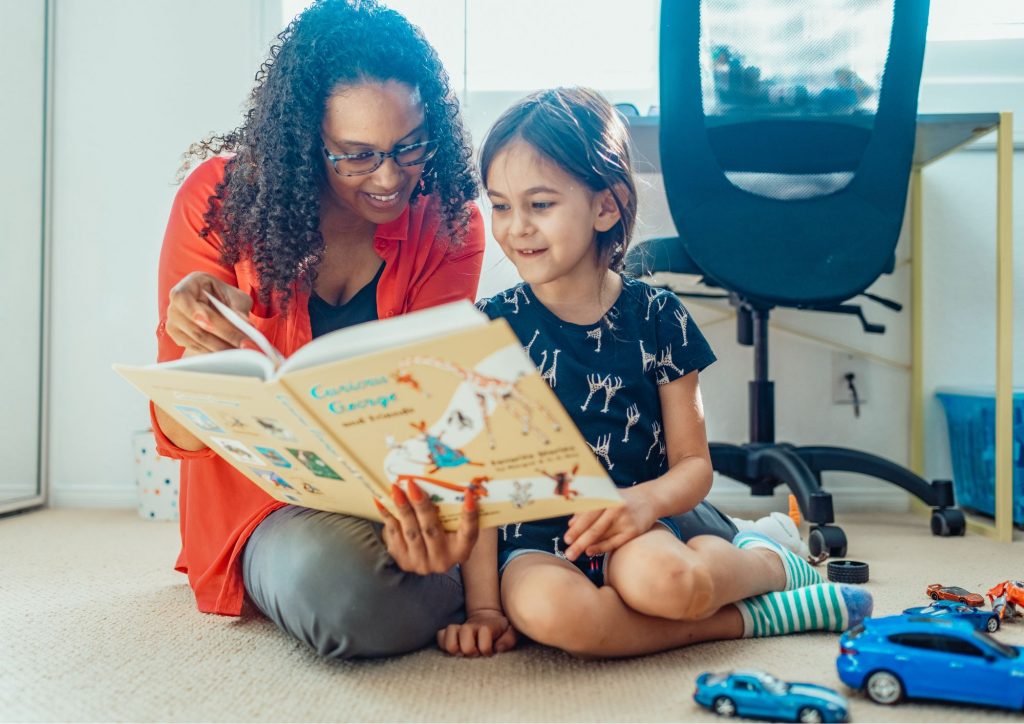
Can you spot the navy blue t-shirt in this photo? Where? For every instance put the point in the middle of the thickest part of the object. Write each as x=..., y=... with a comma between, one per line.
x=607, y=375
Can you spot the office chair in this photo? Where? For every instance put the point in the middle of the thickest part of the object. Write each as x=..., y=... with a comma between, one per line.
x=786, y=146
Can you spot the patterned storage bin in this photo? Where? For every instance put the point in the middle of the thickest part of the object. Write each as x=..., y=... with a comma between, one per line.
x=156, y=478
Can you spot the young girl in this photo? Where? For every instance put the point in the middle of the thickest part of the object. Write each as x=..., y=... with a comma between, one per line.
x=623, y=358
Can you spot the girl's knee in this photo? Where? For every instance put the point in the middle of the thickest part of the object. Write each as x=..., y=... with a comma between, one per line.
x=557, y=616
x=669, y=586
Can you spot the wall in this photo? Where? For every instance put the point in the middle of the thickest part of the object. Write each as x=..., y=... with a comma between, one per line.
x=116, y=163
x=136, y=83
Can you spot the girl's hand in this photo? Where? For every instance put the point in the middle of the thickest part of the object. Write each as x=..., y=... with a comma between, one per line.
x=601, y=531
x=193, y=323
x=485, y=633
x=417, y=540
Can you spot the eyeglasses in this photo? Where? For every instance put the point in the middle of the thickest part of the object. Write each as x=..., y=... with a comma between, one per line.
x=364, y=162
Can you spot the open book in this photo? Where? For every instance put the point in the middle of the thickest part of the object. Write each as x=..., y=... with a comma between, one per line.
x=443, y=397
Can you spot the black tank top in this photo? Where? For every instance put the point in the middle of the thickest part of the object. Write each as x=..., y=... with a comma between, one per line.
x=325, y=317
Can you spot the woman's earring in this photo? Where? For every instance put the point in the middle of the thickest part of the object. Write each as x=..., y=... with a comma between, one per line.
x=423, y=185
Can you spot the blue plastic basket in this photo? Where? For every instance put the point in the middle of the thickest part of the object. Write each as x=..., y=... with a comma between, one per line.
x=971, y=416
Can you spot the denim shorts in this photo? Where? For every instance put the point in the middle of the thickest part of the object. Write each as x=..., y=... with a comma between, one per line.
x=534, y=541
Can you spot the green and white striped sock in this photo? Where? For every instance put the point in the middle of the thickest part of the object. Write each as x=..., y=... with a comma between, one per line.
x=799, y=573
x=819, y=607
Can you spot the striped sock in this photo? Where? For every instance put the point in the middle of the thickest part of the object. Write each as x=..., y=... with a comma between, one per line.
x=820, y=607
x=799, y=573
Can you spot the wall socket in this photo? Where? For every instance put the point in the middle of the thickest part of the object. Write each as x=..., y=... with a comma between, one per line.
x=844, y=363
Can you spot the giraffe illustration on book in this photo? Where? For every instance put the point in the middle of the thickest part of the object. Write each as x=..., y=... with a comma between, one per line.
x=492, y=391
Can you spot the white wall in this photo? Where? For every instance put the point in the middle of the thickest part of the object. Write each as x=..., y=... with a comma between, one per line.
x=136, y=83
x=22, y=50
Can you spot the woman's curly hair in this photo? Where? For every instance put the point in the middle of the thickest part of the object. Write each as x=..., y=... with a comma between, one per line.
x=268, y=206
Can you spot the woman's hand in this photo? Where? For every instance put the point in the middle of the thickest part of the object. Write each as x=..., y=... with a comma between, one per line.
x=193, y=323
x=417, y=540
x=601, y=531
x=485, y=633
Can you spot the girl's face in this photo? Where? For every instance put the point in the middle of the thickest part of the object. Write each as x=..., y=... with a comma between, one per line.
x=546, y=220
x=376, y=116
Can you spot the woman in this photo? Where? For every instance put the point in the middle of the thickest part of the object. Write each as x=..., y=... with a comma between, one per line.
x=347, y=198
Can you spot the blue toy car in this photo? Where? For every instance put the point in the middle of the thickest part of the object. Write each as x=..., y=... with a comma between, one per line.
x=759, y=695
x=982, y=620
x=933, y=658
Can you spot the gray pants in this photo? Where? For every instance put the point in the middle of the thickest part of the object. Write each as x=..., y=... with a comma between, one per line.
x=327, y=579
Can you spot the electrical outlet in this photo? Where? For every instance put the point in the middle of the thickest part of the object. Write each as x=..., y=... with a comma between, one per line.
x=844, y=364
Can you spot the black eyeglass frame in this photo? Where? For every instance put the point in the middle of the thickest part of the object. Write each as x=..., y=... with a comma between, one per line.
x=383, y=156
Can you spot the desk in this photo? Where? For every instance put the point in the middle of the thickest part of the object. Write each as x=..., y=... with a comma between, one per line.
x=937, y=135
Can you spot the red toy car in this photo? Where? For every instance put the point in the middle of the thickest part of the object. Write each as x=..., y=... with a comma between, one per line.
x=955, y=593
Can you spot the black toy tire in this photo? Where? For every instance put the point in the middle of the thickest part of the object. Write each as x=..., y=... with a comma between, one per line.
x=848, y=571
x=827, y=539
x=947, y=522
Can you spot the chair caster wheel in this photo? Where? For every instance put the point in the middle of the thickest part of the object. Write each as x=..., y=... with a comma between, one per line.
x=948, y=522
x=828, y=539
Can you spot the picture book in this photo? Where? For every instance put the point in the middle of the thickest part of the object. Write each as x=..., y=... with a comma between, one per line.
x=444, y=397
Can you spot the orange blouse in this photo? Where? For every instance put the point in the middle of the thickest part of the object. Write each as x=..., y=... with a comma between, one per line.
x=219, y=507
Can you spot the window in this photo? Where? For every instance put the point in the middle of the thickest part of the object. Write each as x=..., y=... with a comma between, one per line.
x=976, y=20
x=954, y=645
x=927, y=642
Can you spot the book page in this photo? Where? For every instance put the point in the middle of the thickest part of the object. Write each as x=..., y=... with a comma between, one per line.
x=461, y=414
x=237, y=362
x=258, y=428
x=250, y=331
x=360, y=339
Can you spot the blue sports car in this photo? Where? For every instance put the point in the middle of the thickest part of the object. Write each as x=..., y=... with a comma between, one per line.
x=759, y=695
x=933, y=658
x=982, y=620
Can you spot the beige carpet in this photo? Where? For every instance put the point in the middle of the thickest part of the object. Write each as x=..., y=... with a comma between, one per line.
x=94, y=625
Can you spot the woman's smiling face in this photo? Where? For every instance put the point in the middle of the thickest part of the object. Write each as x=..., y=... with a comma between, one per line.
x=374, y=116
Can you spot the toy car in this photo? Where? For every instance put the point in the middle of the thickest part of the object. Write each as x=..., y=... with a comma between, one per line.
x=982, y=620
x=911, y=656
x=759, y=695
x=955, y=593
x=1005, y=598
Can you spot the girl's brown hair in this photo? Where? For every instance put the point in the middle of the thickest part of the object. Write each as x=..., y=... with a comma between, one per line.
x=580, y=131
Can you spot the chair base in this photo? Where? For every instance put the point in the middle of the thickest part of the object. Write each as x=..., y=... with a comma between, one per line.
x=763, y=466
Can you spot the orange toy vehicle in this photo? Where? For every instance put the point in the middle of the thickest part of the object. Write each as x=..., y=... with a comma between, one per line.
x=954, y=593
x=1005, y=598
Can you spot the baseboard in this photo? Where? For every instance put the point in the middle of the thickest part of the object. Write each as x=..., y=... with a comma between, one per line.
x=847, y=497
x=94, y=496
